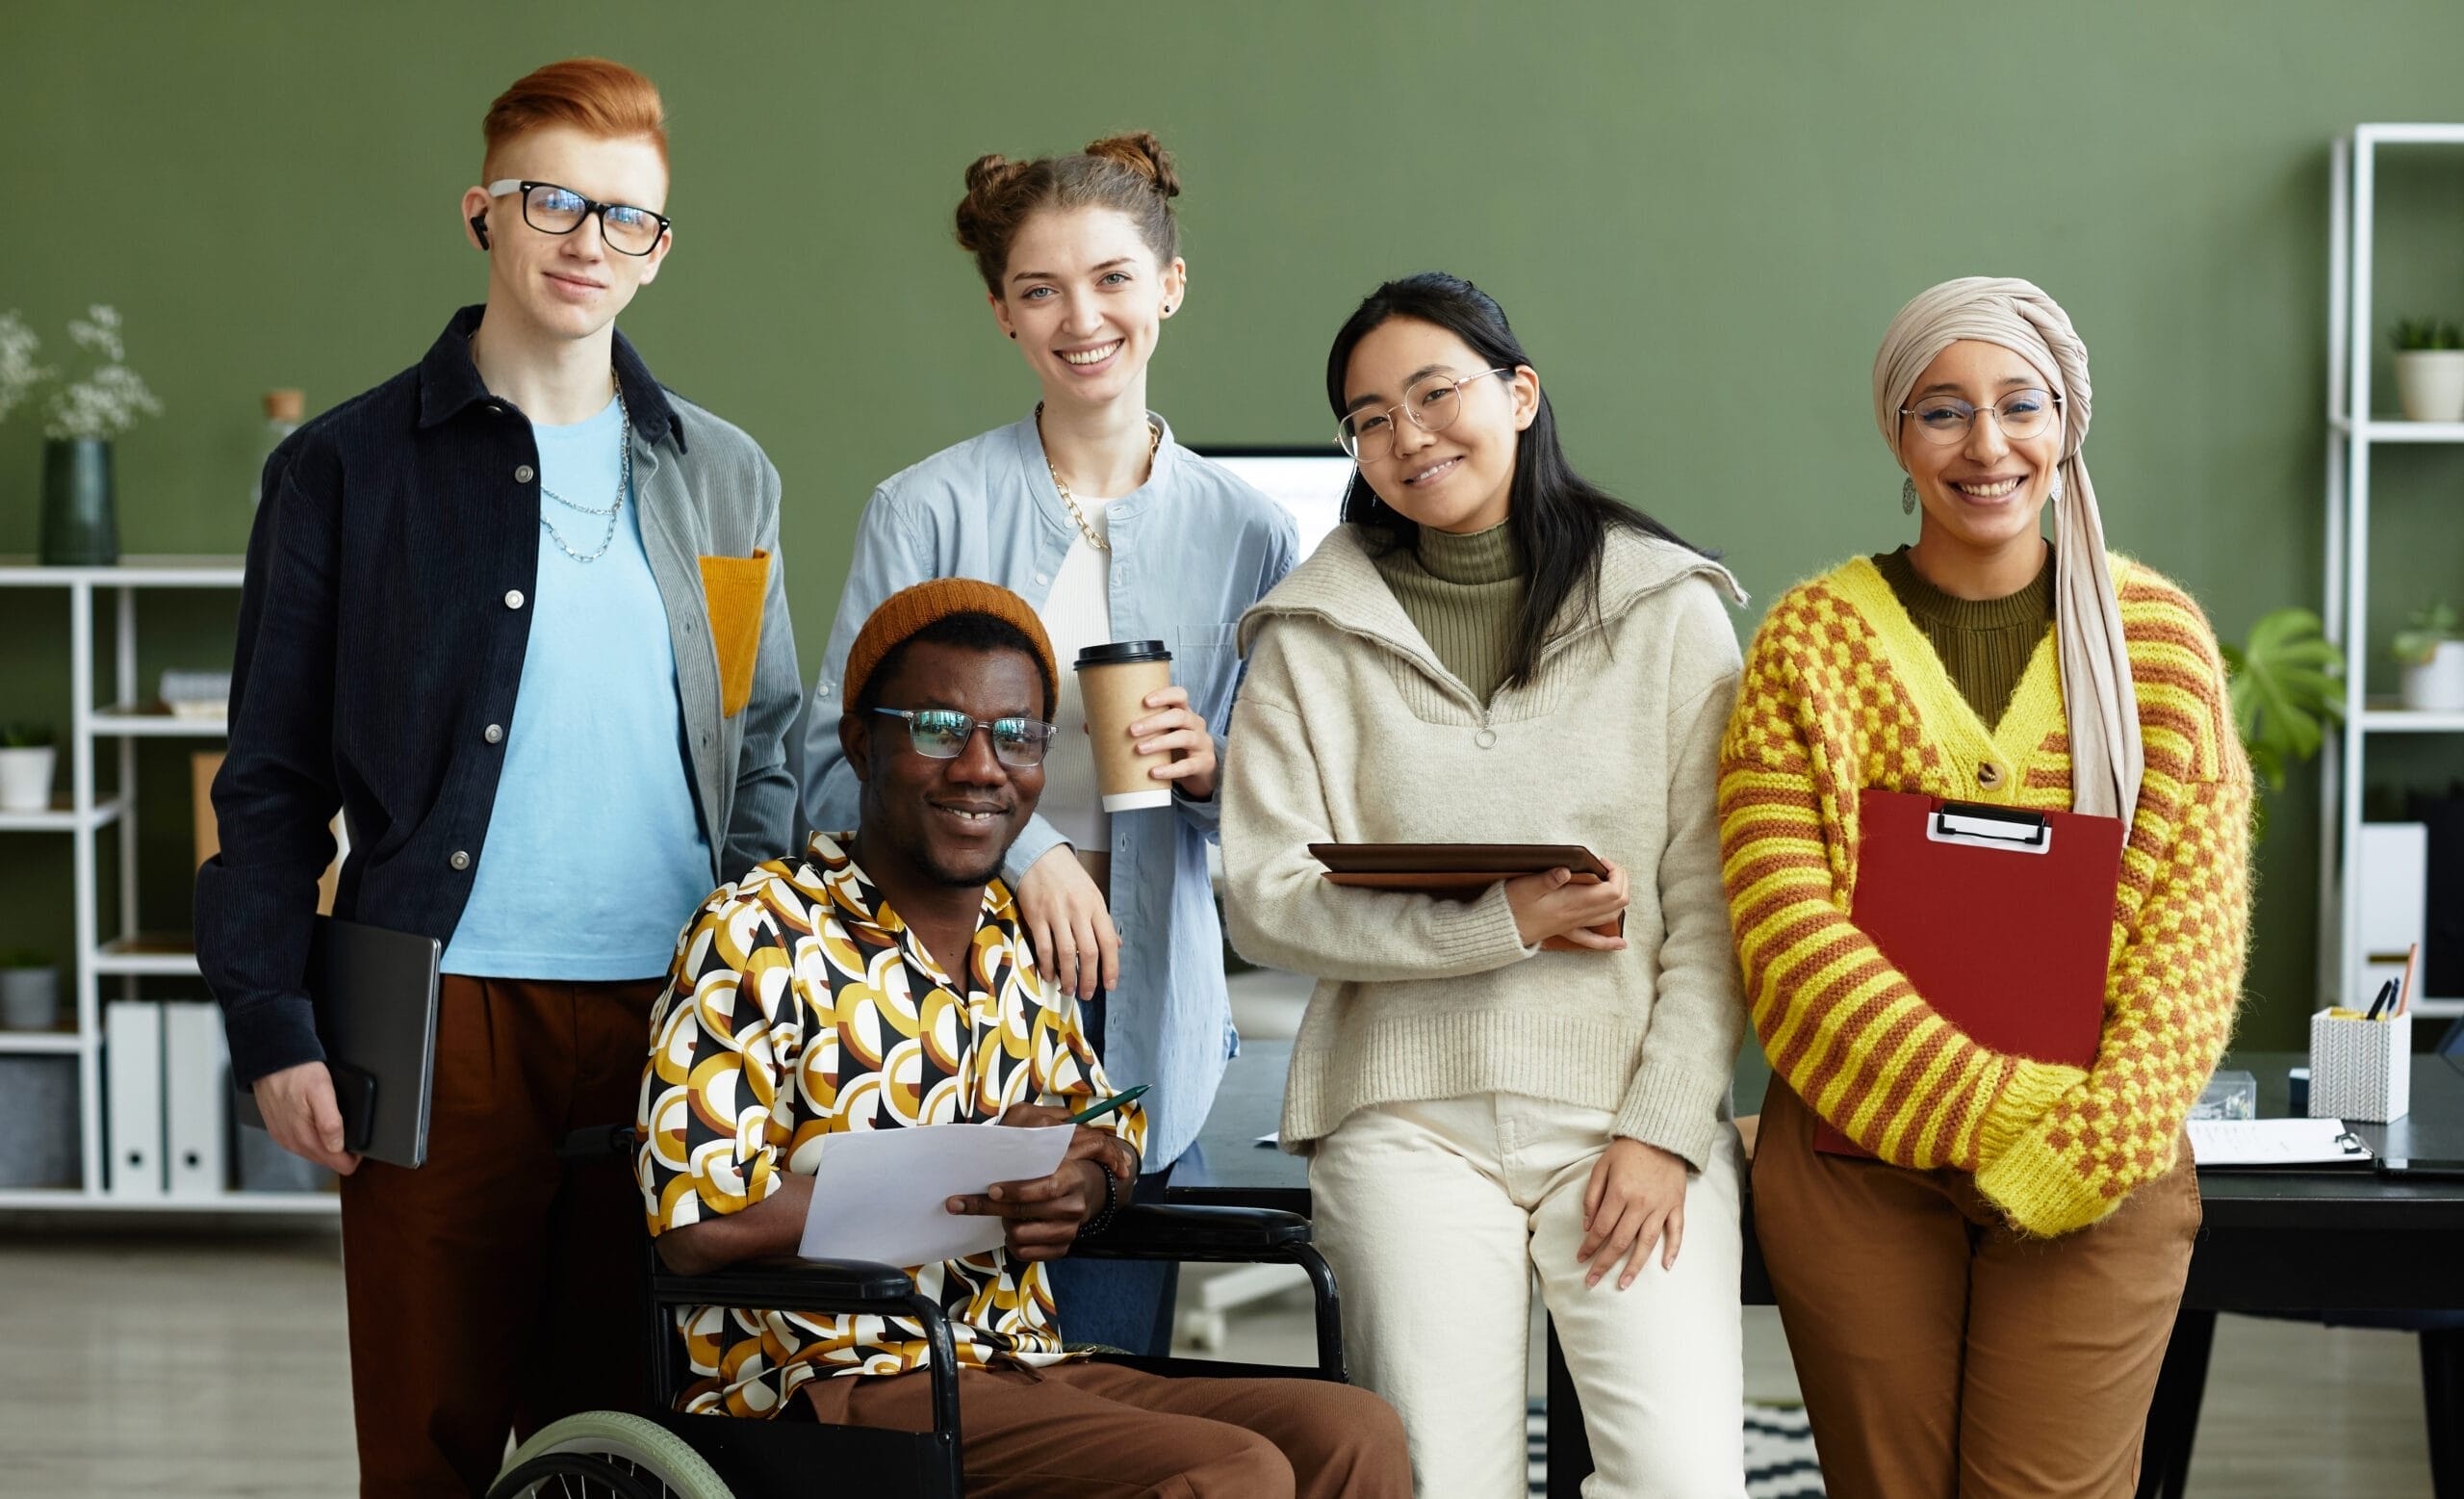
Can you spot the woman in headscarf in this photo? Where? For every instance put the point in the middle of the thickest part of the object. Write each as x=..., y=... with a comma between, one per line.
x=1983, y=1308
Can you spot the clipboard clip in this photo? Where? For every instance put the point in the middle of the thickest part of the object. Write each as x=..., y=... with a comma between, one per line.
x=2010, y=829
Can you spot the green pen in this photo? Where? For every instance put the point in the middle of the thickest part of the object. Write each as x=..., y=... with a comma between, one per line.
x=1096, y=1111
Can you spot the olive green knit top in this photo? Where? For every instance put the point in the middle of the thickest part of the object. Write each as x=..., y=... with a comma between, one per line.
x=1464, y=594
x=1984, y=643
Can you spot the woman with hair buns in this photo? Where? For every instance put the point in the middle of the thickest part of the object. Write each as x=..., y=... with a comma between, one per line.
x=1983, y=1309
x=1090, y=509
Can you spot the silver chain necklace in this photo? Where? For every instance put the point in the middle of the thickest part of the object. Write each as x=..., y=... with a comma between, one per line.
x=1154, y=440
x=623, y=487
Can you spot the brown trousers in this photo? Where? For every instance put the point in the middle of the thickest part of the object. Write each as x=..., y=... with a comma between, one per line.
x=1104, y=1432
x=1944, y=1355
x=495, y=1289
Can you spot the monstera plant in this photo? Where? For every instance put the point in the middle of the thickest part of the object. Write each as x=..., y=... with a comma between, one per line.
x=2287, y=682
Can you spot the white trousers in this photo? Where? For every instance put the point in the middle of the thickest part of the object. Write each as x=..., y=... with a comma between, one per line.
x=1437, y=1215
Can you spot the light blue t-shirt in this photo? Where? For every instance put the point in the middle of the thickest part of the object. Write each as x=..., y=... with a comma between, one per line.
x=594, y=857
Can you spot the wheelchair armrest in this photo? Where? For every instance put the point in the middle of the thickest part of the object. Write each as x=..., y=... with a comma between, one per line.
x=839, y=1287
x=1229, y=1236
x=1198, y=1235
x=787, y=1283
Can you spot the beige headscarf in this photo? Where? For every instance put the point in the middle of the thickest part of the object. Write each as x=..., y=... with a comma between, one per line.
x=2096, y=692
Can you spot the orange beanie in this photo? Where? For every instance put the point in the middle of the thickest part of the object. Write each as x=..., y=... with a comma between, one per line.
x=909, y=609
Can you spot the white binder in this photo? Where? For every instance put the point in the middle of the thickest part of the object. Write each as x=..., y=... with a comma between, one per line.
x=196, y=1098
x=132, y=1097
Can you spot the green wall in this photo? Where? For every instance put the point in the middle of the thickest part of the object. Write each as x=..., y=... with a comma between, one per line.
x=1700, y=216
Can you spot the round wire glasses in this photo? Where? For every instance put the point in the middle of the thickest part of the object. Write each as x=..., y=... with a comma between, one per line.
x=1430, y=402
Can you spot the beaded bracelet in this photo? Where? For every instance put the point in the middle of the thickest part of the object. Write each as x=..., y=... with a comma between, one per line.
x=1103, y=1219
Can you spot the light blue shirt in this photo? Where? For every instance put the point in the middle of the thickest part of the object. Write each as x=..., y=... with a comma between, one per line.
x=1192, y=547
x=594, y=855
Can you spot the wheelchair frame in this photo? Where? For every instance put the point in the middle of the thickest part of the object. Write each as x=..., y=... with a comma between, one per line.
x=777, y=1457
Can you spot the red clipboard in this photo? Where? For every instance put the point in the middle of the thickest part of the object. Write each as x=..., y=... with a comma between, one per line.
x=2001, y=916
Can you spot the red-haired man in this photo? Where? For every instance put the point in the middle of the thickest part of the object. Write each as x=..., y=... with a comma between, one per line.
x=517, y=612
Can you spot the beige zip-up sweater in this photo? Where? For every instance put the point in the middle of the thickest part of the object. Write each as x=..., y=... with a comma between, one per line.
x=1350, y=728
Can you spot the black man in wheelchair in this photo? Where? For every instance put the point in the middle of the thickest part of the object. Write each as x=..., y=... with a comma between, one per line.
x=877, y=982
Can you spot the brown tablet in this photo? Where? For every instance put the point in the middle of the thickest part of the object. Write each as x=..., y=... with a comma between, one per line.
x=1486, y=862
x=1457, y=871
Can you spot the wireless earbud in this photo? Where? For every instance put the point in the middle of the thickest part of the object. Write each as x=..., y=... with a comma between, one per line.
x=480, y=227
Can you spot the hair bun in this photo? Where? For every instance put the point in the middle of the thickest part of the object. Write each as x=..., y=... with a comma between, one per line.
x=1141, y=153
x=1129, y=174
x=986, y=176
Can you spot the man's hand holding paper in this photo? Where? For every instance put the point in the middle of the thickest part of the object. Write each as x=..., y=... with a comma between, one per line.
x=1040, y=1218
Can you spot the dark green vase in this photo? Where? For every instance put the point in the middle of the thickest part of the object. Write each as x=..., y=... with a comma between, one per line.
x=79, y=527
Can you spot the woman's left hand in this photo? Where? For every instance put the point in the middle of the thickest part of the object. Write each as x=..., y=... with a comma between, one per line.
x=1176, y=728
x=1637, y=1200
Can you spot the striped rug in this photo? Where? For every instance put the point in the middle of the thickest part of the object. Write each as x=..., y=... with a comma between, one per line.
x=1779, y=1453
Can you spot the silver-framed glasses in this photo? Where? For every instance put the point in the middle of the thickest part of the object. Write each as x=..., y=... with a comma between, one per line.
x=1945, y=420
x=1430, y=404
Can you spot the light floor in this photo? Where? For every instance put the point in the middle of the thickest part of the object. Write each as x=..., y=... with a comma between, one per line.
x=146, y=1364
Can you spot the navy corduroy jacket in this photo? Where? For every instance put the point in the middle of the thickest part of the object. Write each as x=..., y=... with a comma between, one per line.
x=382, y=629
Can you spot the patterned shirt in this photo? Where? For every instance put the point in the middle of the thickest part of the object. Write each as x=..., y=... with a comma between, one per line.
x=799, y=1006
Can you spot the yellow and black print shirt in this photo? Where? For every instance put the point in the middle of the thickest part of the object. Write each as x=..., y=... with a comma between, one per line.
x=799, y=1005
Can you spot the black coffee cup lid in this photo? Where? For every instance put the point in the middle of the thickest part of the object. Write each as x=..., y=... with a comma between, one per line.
x=1118, y=653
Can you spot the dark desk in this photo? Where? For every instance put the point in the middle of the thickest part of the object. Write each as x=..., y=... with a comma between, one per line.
x=2340, y=1238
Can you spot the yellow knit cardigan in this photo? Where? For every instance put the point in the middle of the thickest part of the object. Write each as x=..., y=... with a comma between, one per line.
x=1841, y=692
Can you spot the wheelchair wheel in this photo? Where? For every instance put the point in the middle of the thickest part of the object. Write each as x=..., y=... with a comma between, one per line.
x=606, y=1455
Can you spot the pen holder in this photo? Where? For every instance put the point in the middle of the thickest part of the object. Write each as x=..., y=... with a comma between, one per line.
x=2361, y=1069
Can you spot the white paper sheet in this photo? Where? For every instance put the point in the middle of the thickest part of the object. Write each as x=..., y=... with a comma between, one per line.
x=884, y=1194
x=2274, y=1142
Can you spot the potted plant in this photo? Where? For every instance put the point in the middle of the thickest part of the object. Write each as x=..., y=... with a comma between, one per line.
x=79, y=524
x=29, y=990
x=26, y=757
x=2429, y=370
x=2432, y=651
x=2287, y=684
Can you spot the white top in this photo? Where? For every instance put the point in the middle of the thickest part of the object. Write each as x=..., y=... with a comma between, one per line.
x=1078, y=612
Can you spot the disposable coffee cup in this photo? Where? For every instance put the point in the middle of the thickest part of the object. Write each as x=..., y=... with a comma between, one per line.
x=1113, y=680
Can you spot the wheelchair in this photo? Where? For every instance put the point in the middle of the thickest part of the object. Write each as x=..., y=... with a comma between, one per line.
x=664, y=1454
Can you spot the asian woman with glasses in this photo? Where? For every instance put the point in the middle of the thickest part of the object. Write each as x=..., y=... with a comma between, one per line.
x=1112, y=531
x=1533, y=1080
x=1984, y=1308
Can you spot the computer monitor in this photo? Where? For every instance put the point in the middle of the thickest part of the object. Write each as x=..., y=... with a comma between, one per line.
x=1308, y=481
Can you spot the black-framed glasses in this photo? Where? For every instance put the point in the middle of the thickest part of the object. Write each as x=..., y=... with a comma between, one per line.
x=942, y=732
x=1431, y=402
x=1944, y=420
x=550, y=208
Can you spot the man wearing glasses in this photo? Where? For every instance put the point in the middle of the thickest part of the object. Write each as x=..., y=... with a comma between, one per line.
x=516, y=612
x=881, y=980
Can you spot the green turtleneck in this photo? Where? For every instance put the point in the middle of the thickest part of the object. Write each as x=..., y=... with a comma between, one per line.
x=1984, y=643
x=1465, y=594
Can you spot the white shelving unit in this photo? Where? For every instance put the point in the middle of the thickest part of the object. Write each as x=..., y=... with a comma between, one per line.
x=113, y=727
x=2353, y=430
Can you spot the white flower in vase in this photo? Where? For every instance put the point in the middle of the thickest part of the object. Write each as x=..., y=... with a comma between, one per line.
x=108, y=401
x=19, y=374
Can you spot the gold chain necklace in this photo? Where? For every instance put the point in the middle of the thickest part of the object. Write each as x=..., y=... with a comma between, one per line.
x=1154, y=441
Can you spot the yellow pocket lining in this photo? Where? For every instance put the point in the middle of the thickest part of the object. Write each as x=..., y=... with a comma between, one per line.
x=735, y=587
